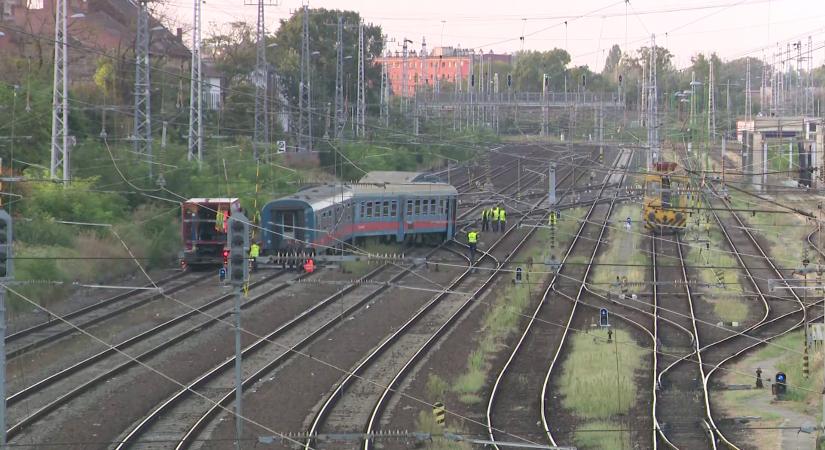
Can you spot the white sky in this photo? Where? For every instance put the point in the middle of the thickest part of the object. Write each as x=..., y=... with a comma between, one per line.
x=732, y=28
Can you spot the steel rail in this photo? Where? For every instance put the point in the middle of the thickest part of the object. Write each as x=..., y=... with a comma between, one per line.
x=390, y=388
x=546, y=383
x=95, y=319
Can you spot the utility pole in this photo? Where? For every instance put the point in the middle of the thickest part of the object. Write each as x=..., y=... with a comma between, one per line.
x=196, y=90
x=405, y=91
x=545, y=107
x=305, y=97
x=385, y=94
x=60, y=158
x=652, y=109
x=260, y=140
x=748, y=100
x=6, y=274
x=361, y=121
x=142, y=133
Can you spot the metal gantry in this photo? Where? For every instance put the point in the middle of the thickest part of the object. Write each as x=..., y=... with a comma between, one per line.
x=142, y=133
x=60, y=161
x=711, y=104
x=361, y=109
x=652, y=108
x=304, y=94
x=339, y=81
x=195, y=142
x=260, y=140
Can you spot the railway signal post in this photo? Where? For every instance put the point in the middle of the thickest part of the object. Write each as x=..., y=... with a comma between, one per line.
x=238, y=274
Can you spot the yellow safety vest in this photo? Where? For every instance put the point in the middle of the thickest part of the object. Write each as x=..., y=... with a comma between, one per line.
x=254, y=251
x=495, y=213
x=472, y=237
x=483, y=214
x=220, y=217
x=502, y=215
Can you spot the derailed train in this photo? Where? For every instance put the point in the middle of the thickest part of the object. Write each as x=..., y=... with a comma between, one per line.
x=325, y=217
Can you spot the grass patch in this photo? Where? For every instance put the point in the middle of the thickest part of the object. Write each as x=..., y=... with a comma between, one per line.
x=784, y=354
x=625, y=247
x=786, y=232
x=601, y=434
x=509, y=303
x=436, y=386
x=426, y=422
x=706, y=250
x=589, y=375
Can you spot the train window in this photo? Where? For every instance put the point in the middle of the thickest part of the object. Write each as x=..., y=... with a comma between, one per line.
x=417, y=207
x=363, y=211
x=409, y=207
x=386, y=208
x=431, y=209
x=394, y=209
x=369, y=209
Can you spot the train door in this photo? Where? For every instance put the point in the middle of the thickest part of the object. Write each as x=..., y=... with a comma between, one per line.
x=291, y=223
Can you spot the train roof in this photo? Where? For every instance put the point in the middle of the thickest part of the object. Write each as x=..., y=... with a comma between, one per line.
x=200, y=200
x=320, y=197
x=390, y=176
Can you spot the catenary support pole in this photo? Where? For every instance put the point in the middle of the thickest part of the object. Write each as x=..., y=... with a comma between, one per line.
x=238, y=367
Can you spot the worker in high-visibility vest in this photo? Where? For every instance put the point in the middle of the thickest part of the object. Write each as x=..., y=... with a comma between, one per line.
x=502, y=220
x=472, y=242
x=254, y=253
x=553, y=218
x=220, y=221
x=309, y=266
x=495, y=218
x=485, y=220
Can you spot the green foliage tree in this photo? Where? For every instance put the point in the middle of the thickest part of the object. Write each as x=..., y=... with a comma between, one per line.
x=532, y=65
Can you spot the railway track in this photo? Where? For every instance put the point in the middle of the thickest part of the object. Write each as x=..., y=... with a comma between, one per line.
x=683, y=392
x=40, y=335
x=164, y=417
x=526, y=354
x=781, y=314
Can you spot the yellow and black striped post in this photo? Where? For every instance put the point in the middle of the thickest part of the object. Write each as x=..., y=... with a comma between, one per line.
x=805, y=367
x=439, y=412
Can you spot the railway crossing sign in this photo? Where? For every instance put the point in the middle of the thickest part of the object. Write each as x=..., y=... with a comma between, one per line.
x=439, y=412
x=604, y=318
x=281, y=146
